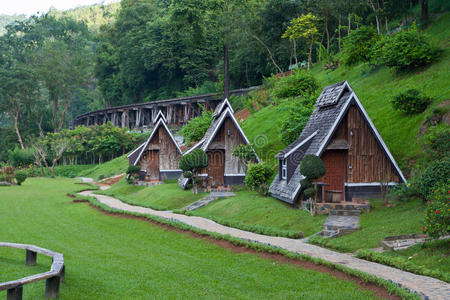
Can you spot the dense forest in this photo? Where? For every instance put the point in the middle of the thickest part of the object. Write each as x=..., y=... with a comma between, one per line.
x=57, y=65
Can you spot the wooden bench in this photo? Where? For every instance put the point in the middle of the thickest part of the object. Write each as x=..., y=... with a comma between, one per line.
x=52, y=277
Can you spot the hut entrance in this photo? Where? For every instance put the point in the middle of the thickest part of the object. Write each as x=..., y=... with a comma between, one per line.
x=335, y=163
x=153, y=165
x=216, y=167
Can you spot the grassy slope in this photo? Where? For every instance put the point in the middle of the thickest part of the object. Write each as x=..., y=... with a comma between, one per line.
x=162, y=197
x=113, y=167
x=250, y=208
x=399, y=131
x=117, y=258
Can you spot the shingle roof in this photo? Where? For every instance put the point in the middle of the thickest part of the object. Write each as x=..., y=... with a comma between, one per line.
x=331, y=106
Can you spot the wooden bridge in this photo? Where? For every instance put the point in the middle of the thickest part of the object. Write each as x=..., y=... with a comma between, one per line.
x=178, y=111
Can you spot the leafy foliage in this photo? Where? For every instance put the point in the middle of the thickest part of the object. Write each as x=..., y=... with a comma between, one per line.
x=258, y=175
x=437, y=213
x=358, y=45
x=245, y=153
x=437, y=173
x=196, y=128
x=411, y=101
x=193, y=162
x=437, y=143
x=406, y=50
x=21, y=158
x=293, y=125
x=312, y=167
x=20, y=176
x=300, y=83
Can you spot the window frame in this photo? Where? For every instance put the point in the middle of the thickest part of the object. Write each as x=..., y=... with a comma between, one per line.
x=283, y=169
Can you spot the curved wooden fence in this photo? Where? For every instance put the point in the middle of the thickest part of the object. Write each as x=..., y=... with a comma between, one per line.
x=52, y=277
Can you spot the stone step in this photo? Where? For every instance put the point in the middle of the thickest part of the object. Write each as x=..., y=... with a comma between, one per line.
x=345, y=212
x=329, y=233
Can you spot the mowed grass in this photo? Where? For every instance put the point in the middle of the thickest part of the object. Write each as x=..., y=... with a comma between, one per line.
x=165, y=196
x=380, y=222
x=12, y=264
x=119, y=258
x=113, y=167
x=252, y=209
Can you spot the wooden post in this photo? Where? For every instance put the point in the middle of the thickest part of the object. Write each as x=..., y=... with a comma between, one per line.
x=30, y=259
x=52, y=287
x=15, y=293
x=62, y=275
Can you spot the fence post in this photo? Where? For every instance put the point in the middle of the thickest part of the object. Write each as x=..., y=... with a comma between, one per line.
x=52, y=287
x=14, y=293
x=30, y=259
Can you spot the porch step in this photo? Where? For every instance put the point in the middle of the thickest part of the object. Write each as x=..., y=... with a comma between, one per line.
x=213, y=196
x=329, y=233
x=345, y=212
x=336, y=225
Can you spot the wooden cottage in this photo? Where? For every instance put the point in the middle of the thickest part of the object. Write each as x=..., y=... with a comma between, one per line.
x=223, y=135
x=339, y=131
x=158, y=157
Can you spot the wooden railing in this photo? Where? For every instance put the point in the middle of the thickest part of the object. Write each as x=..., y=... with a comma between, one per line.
x=52, y=277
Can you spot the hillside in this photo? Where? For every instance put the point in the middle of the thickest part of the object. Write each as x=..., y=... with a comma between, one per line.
x=374, y=88
x=7, y=19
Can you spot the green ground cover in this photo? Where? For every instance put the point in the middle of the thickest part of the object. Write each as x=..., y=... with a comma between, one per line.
x=113, y=167
x=115, y=258
x=165, y=196
x=374, y=89
x=251, y=211
x=12, y=264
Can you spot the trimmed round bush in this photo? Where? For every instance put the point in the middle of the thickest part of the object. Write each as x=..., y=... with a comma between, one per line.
x=437, y=214
x=437, y=173
x=312, y=167
x=187, y=174
x=309, y=192
x=411, y=101
x=133, y=169
x=194, y=161
x=20, y=176
x=305, y=183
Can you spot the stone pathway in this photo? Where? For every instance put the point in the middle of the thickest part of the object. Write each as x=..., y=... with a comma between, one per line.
x=213, y=196
x=426, y=287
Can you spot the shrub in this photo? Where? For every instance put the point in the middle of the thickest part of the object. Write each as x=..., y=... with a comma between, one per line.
x=196, y=128
x=436, y=174
x=410, y=101
x=403, y=192
x=245, y=154
x=20, y=176
x=312, y=167
x=300, y=83
x=305, y=183
x=437, y=143
x=406, y=50
x=193, y=163
x=132, y=169
x=257, y=177
x=437, y=213
x=21, y=158
x=357, y=46
x=293, y=125
x=8, y=173
x=309, y=192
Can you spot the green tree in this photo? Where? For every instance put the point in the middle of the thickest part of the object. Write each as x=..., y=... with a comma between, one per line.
x=312, y=167
x=192, y=163
x=304, y=27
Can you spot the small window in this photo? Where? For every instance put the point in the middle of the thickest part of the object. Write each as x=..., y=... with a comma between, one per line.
x=283, y=169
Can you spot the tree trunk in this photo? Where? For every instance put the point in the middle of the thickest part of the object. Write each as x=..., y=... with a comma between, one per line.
x=310, y=55
x=226, y=78
x=339, y=33
x=387, y=26
x=349, y=23
x=295, y=52
x=268, y=51
x=424, y=11
x=39, y=124
x=375, y=10
x=327, y=32
x=16, y=127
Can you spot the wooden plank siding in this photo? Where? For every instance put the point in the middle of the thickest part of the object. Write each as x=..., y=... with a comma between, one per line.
x=364, y=162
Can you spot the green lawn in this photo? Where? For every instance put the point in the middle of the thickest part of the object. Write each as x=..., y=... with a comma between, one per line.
x=252, y=211
x=165, y=196
x=113, y=167
x=119, y=258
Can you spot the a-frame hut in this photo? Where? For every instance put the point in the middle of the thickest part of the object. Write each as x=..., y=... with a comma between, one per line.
x=158, y=157
x=223, y=135
x=339, y=131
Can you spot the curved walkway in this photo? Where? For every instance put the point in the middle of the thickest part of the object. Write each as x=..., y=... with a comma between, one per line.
x=426, y=287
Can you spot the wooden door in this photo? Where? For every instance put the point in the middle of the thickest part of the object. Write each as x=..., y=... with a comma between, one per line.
x=336, y=165
x=216, y=167
x=153, y=165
